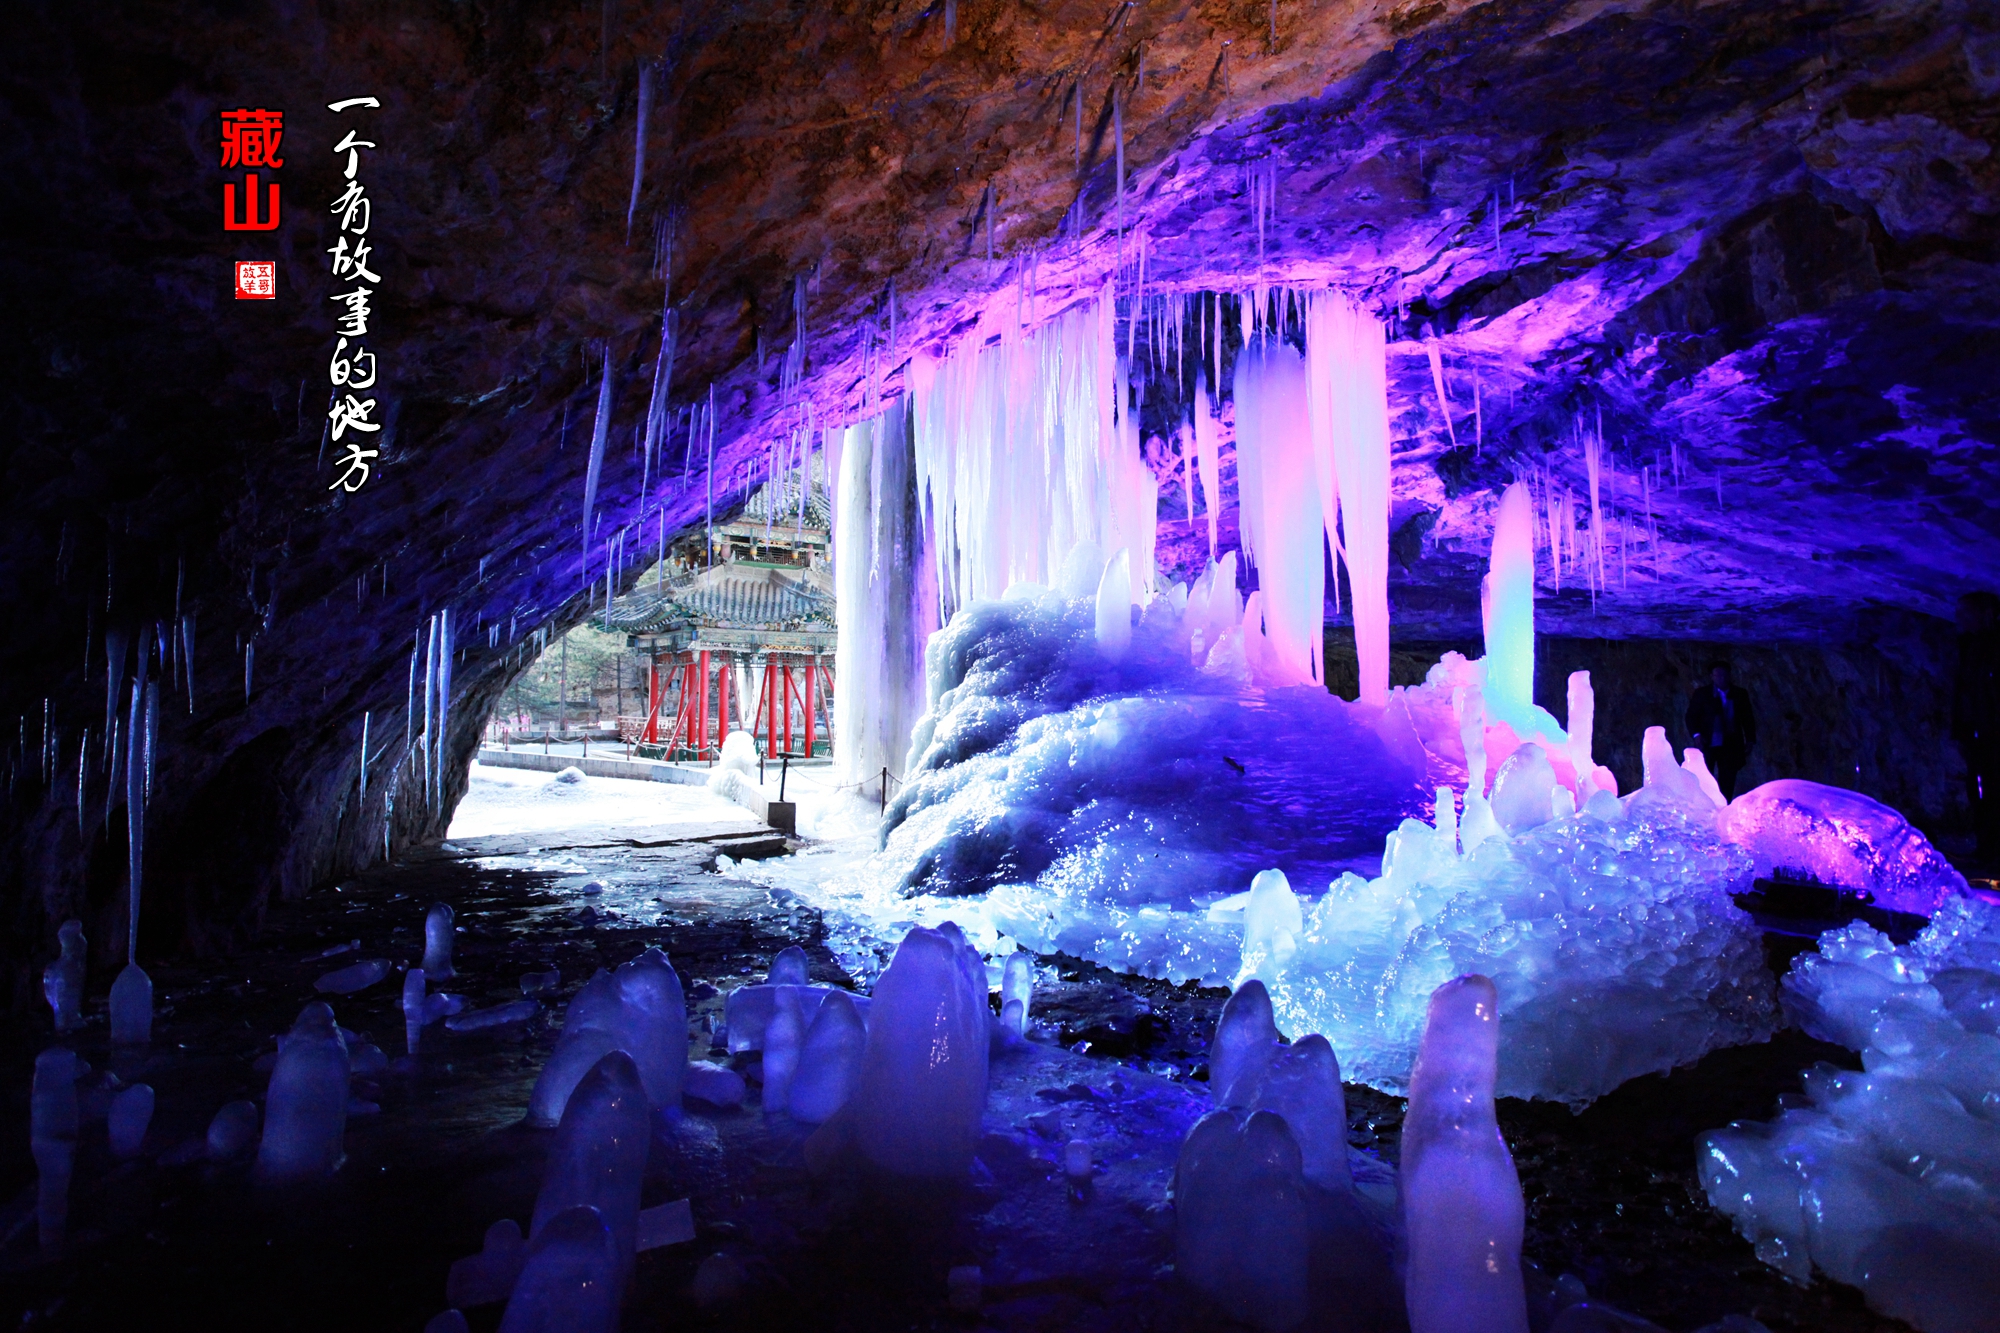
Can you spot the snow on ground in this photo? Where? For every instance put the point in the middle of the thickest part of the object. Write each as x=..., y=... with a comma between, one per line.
x=516, y=800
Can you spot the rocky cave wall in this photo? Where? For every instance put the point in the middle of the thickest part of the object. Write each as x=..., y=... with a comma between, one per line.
x=1758, y=243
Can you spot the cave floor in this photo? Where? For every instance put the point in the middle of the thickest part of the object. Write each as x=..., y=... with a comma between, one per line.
x=1611, y=1193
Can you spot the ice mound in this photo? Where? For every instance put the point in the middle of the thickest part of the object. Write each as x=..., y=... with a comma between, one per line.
x=1104, y=801
x=1887, y=1179
x=1842, y=838
x=1609, y=933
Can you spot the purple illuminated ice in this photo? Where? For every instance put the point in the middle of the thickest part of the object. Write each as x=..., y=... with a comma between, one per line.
x=828, y=1063
x=639, y=1009
x=305, y=1115
x=572, y=1281
x=598, y=1158
x=437, y=942
x=1240, y=1218
x=62, y=980
x=1462, y=1207
x=52, y=1127
x=1246, y=1041
x=922, y=1084
x=1842, y=838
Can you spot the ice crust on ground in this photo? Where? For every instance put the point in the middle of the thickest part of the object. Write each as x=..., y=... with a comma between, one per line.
x=1887, y=1179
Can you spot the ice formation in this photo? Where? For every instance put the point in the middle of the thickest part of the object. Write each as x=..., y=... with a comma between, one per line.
x=499, y=1015
x=62, y=980
x=52, y=1129
x=638, y=1009
x=1886, y=1179
x=571, y=1282
x=353, y=977
x=1841, y=838
x=1462, y=1207
x=718, y=1085
x=232, y=1131
x=829, y=1061
x=598, y=1159
x=1240, y=1218
x=131, y=1113
x=747, y=1010
x=1283, y=529
x=922, y=1081
x=132, y=1007
x=783, y=1036
x=437, y=942
x=1246, y=1041
x=887, y=602
x=1017, y=991
x=305, y=1110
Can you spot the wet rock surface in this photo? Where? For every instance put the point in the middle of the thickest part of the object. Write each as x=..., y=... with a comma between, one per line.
x=1119, y=1062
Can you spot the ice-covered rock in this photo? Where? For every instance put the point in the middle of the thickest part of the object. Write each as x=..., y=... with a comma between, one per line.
x=1240, y=1218
x=1614, y=944
x=305, y=1109
x=437, y=942
x=572, y=1280
x=1462, y=1208
x=1889, y=1178
x=1842, y=838
x=829, y=1062
x=62, y=980
x=52, y=1128
x=717, y=1085
x=922, y=1082
x=598, y=1158
x=131, y=1114
x=132, y=1007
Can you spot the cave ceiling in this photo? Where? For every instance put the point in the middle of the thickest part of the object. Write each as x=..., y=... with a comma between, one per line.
x=1756, y=245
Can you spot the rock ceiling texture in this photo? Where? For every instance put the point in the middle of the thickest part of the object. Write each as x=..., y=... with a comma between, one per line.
x=1755, y=241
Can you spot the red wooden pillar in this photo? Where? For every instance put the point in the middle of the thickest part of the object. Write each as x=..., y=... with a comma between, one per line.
x=812, y=684
x=701, y=709
x=785, y=702
x=722, y=683
x=770, y=705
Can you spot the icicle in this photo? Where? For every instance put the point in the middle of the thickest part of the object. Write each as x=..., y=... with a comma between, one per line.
x=639, y=148
x=1348, y=362
x=444, y=694
x=1208, y=451
x=249, y=662
x=599, y=433
x=430, y=695
x=1437, y=382
x=82, y=770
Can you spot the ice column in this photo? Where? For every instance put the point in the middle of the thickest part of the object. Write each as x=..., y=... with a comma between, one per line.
x=305, y=1111
x=922, y=1084
x=598, y=1159
x=1114, y=606
x=437, y=942
x=654, y=1011
x=1017, y=990
x=132, y=1007
x=1347, y=364
x=1462, y=1205
x=62, y=980
x=887, y=609
x=1280, y=503
x=1240, y=1218
x=783, y=1036
x=1508, y=602
x=829, y=1061
x=52, y=1135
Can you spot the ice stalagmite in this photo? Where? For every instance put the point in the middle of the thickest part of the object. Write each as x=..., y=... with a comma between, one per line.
x=598, y=1159
x=572, y=1281
x=828, y=1062
x=52, y=1126
x=132, y=1007
x=1508, y=603
x=1240, y=1218
x=305, y=1111
x=922, y=1084
x=655, y=1019
x=1017, y=990
x=1462, y=1207
x=62, y=980
x=1246, y=1041
x=131, y=1113
x=589, y=1033
x=437, y=942
x=1303, y=1086
x=788, y=968
x=783, y=1036
x=1284, y=529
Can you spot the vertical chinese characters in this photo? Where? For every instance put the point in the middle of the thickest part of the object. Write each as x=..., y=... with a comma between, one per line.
x=352, y=370
x=251, y=139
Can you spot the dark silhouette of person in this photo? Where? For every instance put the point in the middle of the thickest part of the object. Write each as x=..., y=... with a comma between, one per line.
x=1723, y=726
x=1975, y=714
